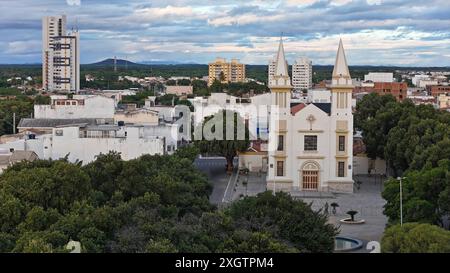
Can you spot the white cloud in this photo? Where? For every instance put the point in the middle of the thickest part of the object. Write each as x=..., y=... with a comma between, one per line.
x=165, y=12
x=23, y=47
x=244, y=19
x=73, y=2
x=374, y=2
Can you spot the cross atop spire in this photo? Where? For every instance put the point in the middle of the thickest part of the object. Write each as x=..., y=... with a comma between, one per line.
x=281, y=68
x=340, y=67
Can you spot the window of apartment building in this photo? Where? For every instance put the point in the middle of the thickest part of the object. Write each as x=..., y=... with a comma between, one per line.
x=341, y=169
x=280, y=143
x=310, y=143
x=341, y=143
x=280, y=168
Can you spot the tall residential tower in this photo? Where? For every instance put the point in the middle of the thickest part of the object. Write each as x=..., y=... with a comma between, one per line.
x=302, y=74
x=60, y=56
x=226, y=72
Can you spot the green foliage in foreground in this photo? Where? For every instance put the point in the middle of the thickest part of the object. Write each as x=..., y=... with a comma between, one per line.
x=416, y=238
x=426, y=195
x=150, y=204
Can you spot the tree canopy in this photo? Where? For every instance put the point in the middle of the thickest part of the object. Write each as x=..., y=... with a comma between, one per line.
x=406, y=135
x=416, y=238
x=426, y=195
x=150, y=204
x=415, y=141
x=220, y=144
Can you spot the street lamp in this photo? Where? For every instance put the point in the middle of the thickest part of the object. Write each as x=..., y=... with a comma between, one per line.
x=401, y=199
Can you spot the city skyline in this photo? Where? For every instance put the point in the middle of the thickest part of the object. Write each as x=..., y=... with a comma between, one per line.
x=376, y=32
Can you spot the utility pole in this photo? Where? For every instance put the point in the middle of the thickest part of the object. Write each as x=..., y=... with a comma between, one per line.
x=401, y=200
x=14, y=123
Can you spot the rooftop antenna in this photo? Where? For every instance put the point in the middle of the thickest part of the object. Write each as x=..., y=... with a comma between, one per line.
x=115, y=64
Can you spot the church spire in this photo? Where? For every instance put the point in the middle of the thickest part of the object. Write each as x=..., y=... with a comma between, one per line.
x=340, y=67
x=281, y=65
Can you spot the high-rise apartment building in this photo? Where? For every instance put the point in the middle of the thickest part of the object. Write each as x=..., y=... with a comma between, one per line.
x=271, y=72
x=60, y=56
x=302, y=74
x=226, y=72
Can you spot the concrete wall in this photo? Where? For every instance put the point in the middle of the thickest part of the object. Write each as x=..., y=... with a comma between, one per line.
x=86, y=149
x=137, y=117
x=255, y=162
x=362, y=164
x=94, y=107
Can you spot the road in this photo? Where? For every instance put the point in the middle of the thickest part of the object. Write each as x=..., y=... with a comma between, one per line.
x=215, y=169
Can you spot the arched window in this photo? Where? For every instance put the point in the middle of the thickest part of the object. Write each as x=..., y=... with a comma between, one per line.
x=310, y=176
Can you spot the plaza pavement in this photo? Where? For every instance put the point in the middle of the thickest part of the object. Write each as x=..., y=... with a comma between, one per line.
x=366, y=200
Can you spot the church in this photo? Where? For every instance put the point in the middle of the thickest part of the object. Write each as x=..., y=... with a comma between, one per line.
x=310, y=145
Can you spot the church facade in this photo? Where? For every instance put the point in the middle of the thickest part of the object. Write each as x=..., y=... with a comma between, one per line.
x=310, y=145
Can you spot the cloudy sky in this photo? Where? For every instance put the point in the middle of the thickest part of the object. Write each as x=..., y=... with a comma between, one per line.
x=375, y=32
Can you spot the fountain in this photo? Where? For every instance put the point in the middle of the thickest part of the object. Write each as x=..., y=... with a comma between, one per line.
x=345, y=244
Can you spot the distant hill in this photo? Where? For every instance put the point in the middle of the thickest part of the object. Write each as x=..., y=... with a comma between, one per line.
x=165, y=63
x=119, y=63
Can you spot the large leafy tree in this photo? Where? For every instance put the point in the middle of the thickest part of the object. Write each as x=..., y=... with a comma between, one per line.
x=407, y=136
x=425, y=195
x=415, y=238
x=150, y=204
x=290, y=220
x=220, y=145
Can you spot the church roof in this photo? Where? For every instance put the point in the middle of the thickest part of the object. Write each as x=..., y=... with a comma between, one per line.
x=281, y=68
x=340, y=67
x=297, y=107
x=326, y=107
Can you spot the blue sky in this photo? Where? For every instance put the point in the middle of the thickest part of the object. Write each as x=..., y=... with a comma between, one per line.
x=375, y=32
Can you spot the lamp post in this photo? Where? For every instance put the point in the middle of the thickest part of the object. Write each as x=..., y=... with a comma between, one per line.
x=401, y=199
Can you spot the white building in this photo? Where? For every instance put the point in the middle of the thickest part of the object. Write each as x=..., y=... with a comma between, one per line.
x=302, y=74
x=84, y=142
x=77, y=107
x=415, y=80
x=319, y=96
x=423, y=83
x=254, y=109
x=132, y=115
x=60, y=56
x=379, y=77
x=310, y=146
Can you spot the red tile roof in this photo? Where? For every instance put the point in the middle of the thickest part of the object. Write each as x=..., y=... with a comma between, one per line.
x=297, y=108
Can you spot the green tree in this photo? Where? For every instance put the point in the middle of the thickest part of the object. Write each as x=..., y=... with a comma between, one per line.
x=288, y=219
x=220, y=145
x=415, y=238
x=425, y=196
x=150, y=204
x=184, y=82
x=171, y=82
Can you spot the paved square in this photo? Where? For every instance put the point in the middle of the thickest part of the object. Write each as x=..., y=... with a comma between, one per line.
x=367, y=201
